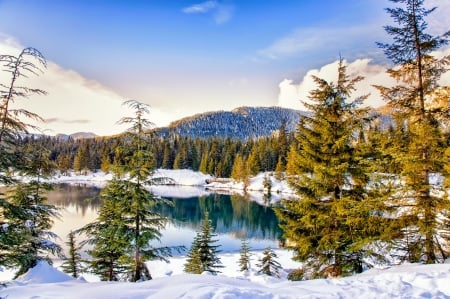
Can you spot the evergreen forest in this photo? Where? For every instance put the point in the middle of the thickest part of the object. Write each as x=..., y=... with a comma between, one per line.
x=368, y=192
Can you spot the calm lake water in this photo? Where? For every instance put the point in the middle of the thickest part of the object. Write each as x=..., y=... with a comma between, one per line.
x=233, y=217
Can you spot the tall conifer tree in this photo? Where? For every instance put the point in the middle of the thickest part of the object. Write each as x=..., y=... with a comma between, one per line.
x=123, y=243
x=421, y=104
x=72, y=263
x=29, y=216
x=24, y=215
x=244, y=257
x=334, y=216
x=203, y=253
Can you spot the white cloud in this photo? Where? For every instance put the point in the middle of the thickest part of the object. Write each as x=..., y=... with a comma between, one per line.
x=221, y=13
x=438, y=21
x=73, y=103
x=303, y=41
x=200, y=7
x=292, y=94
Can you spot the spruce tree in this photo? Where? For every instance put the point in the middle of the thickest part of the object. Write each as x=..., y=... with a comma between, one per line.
x=107, y=235
x=421, y=105
x=28, y=214
x=122, y=244
x=335, y=214
x=24, y=216
x=203, y=253
x=268, y=264
x=244, y=258
x=72, y=263
x=239, y=171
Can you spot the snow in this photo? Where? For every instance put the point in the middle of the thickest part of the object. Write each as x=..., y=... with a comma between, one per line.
x=404, y=281
x=43, y=273
x=184, y=183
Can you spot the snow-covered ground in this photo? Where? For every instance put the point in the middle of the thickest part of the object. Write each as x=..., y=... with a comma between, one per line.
x=405, y=281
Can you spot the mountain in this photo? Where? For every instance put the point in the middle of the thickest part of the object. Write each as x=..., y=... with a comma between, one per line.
x=240, y=123
x=75, y=136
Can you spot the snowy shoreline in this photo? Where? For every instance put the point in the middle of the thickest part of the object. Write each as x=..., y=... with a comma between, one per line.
x=188, y=183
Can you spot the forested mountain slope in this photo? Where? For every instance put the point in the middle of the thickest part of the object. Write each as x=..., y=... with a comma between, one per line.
x=240, y=123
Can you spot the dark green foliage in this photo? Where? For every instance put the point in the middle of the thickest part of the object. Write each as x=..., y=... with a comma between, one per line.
x=107, y=235
x=244, y=259
x=336, y=215
x=422, y=108
x=128, y=220
x=25, y=218
x=27, y=214
x=268, y=264
x=215, y=156
x=29, y=220
x=72, y=263
x=203, y=253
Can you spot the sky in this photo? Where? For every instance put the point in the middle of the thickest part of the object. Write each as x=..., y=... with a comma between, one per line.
x=184, y=57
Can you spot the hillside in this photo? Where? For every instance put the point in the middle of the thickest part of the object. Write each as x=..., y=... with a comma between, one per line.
x=76, y=136
x=240, y=123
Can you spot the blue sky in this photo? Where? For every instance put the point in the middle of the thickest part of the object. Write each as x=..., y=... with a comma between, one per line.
x=184, y=57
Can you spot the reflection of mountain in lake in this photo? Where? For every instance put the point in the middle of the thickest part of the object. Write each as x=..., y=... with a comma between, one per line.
x=229, y=214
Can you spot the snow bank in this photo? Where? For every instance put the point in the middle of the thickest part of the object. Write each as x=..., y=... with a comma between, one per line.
x=408, y=281
x=183, y=177
x=43, y=273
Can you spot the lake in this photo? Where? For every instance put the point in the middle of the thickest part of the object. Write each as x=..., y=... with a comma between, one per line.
x=234, y=217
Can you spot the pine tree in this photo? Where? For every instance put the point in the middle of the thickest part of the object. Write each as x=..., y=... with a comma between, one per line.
x=335, y=214
x=239, y=171
x=110, y=245
x=72, y=264
x=244, y=259
x=82, y=158
x=122, y=245
x=254, y=161
x=24, y=216
x=268, y=264
x=421, y=105
x=106, y=163
x=29, y=215
x=144, y=222
x=203, y=253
